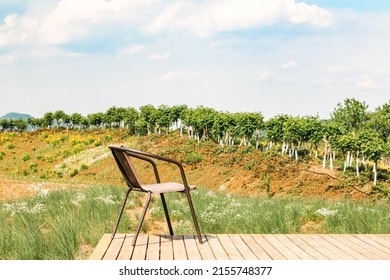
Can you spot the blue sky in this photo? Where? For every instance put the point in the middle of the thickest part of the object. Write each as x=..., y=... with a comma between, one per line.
x=279, y=56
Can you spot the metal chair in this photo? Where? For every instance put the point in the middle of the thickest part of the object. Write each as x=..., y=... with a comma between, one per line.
x=123, y=157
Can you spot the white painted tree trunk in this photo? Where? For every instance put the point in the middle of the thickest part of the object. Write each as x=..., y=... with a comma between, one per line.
x=296, y=153
x=330, y=160
x=375, y=173
x=324, y=159
x=357, y=166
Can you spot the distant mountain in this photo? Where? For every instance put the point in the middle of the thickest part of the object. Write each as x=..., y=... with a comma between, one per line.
x=15, y=116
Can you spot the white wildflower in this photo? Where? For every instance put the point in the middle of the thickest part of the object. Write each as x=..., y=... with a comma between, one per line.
x=222, y=188
x=108, y=199
x=210, y=194
x=326, y=212
x=80, y=197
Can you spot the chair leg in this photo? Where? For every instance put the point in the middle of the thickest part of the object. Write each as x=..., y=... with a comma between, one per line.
x=166, y=214
x=120, y=213
x=142, y=218
x=194, y=217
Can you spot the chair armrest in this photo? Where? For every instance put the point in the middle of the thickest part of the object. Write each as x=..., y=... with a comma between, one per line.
x=147, y=157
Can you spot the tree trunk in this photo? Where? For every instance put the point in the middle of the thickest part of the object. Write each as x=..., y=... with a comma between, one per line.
x=296, y=153
x=357, y=166
x=330, y=159
x=324, y=160
x=375, y=173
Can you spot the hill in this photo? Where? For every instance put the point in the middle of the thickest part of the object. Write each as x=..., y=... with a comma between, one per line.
x=78, y=158
x=14, y=116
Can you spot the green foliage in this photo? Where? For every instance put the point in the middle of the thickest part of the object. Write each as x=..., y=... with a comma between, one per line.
x=2, y=155
x=26, y=157
x=193, y=158
x=74, y=172
x=351, y=115
x=57, y=225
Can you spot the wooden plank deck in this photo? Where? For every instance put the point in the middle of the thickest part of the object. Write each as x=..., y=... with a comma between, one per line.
x=245, y=247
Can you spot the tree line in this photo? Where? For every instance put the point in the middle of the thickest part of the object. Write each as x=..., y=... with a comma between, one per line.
x=352, y=132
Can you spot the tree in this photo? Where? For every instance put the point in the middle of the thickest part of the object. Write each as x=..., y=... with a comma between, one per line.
x=75, y=120
x=5, y=124
x=247, y=125
x=96, y=119
x=350, y=116
x=379, y=121
x=373, y=147
x=114, y=116
x=164, y=118
x=274, y=130
x=331, y=132
x=131, y=117
x=47, y=119
x=149, y=115
x=60, y=117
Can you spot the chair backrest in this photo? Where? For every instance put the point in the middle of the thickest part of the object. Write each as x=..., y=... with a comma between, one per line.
x=123, y=159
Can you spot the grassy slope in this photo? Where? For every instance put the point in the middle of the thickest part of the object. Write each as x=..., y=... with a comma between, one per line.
x=73, y=157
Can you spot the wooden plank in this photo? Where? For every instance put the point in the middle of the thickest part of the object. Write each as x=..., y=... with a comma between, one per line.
x=268, y=248
x=345, y=240
x=302, y=254
x=306, y=247
x=242, y=247
x=323, y=247
x=127, y=249
x=101, y=247
x=153, y=252
x=140, y=247
x=350, y=253
x=381, y=239
x=229, y=247
x=179, y=250
x=191, y=247
x=379, y=249
x=332, y=247
x=115, y=247
x=257, y=250
x=283, y=249
x=216, y=247
x=376, y=254
x=166, y=250
x=205, y=250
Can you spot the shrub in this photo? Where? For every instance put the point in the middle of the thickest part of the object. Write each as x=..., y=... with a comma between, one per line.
x=26, y=157
x=74, y=172
x=193, y=158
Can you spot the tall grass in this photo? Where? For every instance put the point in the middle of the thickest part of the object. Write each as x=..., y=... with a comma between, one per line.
x=219, y=212
x=61, y=224
x=58, y=224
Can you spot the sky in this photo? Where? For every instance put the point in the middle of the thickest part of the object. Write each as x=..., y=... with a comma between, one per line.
x=270, y=56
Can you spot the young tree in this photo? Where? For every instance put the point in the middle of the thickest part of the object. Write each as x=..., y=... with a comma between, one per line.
x=350, y=116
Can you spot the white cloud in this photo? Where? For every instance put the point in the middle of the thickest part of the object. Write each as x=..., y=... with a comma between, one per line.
x=159, y=56
x=181, y=76
x=366, y=82
x=339, y=69
x=265, y=75
x=69, y=20
x=289, y=64
x=382, y=70
x=130, y=50
x=322, y=81
x=207, y=17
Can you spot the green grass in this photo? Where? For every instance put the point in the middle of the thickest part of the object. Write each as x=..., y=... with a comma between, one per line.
x=58, y=224
x=219, y=212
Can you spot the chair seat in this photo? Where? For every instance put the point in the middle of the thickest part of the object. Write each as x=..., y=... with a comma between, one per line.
x=165, y=187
